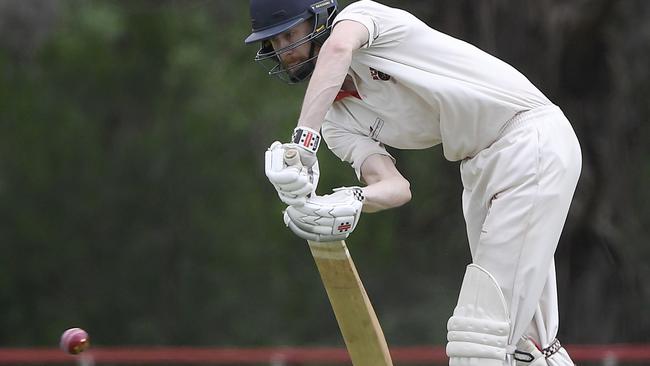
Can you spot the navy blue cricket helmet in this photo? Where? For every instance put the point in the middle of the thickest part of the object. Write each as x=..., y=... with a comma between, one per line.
x=270, y=18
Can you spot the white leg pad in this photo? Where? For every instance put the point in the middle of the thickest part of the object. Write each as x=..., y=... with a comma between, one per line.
x=479, y=329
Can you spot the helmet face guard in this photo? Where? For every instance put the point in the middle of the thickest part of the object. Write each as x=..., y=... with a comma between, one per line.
x=322, y=15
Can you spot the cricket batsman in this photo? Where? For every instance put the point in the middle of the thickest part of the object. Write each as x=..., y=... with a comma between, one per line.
x=380, y=77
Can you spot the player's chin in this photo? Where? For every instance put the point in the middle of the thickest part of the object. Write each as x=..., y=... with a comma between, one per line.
x=300, y=72
x=291, y=67
x=292, y=73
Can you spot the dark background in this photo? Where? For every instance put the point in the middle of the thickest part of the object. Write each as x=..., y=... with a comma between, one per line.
x=133, y=201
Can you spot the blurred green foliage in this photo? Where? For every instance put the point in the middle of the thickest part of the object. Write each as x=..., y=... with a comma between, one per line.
x=133, y=201
x=133, y=194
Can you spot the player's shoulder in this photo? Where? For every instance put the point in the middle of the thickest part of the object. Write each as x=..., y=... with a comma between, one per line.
x=362, y=4
x=379, y=13
x=365, y=6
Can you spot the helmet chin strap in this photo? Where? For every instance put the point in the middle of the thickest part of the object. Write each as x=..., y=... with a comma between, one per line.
x=304, y=71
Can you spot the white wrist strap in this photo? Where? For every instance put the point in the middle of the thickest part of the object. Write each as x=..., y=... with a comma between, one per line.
x=306, y=138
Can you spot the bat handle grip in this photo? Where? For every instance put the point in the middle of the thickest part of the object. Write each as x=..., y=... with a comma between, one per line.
x=292, y=157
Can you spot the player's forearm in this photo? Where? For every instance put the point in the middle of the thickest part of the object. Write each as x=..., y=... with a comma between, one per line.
x=385, y=194
x=332, y=67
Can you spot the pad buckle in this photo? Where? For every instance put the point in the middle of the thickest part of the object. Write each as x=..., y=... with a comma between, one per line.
x=523, y=356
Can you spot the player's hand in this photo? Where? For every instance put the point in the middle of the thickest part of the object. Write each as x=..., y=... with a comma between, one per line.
x=294, y=183
x=326, y=218
x=306, y=141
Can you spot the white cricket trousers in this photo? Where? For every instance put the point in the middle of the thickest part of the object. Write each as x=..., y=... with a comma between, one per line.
x=516, y=196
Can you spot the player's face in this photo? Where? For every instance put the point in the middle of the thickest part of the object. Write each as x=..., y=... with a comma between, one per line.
x=297, y=55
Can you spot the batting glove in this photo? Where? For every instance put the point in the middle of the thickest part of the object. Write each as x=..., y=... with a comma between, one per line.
x=294, y=183
x=306, y=141
x=326, y=218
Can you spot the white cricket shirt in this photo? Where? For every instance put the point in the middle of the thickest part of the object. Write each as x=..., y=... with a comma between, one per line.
x=419, y=88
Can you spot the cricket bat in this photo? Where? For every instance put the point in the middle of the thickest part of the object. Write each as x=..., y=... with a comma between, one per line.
x=356, y=318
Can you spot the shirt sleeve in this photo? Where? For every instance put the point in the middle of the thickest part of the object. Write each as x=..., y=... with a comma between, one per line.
x=357, y=14
x=385, y=29
x=351, y=147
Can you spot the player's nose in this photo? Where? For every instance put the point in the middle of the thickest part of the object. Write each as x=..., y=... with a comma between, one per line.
x=288, y=57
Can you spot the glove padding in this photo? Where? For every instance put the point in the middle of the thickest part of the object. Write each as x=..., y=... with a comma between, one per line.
x=326, y=218
x=294, y=183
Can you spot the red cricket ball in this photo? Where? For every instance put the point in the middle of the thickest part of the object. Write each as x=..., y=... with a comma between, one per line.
x=74, y=341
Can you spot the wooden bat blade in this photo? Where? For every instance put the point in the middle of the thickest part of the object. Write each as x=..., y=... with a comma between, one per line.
x=357, y=320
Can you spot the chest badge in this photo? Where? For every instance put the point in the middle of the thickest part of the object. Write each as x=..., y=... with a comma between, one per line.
x=378, y=75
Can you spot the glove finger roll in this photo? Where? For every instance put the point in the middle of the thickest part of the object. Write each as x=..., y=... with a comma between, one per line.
x=306, y=220
x=287, y=175
x=343, y=211
x=298, y=231
x=319, y=224
x=301, y=187
x=292, y=200
x=314, y=229
x=274, y=158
